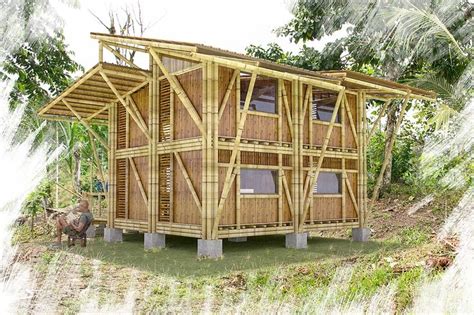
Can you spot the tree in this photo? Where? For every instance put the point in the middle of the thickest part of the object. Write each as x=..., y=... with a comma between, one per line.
x=424, y=43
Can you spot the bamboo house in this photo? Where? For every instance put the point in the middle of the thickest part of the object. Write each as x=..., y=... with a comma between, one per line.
x=212, y=144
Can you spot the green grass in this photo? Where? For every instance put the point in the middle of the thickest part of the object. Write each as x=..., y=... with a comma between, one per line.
x=179, y=257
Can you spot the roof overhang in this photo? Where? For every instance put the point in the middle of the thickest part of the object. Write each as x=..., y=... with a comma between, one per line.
x=90, y=96
x=377, y=87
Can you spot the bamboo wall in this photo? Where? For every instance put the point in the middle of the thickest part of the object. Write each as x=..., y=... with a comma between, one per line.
x=186, y=200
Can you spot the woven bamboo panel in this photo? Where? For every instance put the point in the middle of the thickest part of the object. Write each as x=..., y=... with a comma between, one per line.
x=121, y=127
x=286, y=160
x=165, y=180
x=165, y=111
x=258, y=158
x=121, y=190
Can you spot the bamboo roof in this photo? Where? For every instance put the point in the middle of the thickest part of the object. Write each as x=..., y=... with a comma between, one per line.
x=90, y=95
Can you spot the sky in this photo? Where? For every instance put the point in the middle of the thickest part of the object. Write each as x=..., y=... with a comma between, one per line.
x=231, y=25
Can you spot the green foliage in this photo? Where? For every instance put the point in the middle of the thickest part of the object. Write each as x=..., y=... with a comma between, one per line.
x=407, y=285
x=35, y=200
x=413, y=236
x=367, y=279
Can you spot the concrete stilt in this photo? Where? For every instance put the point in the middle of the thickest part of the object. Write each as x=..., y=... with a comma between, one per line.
x=238, y=239
x=360, y=234
x=112, y=235
x=296, y=240
x=209, y=248
x=154, y=240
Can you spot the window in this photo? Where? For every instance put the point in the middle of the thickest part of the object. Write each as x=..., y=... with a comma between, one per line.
x=328, y=183
x=256, y=181
x=263, y=95
x=323, y=106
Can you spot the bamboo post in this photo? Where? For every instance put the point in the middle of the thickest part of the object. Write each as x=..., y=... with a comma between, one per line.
x=153, y=157
x=297, y=165
x=237, y=168
x=364, y=168
x=343, y=160
x=205, y=216
x=280, y=157
x=111, y=196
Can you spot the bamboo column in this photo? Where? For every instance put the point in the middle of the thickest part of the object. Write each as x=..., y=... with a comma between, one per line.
x=237, y=166
x=210, y=152
x=297, y=156
x=359, y=158
x=364, y=168
x=343, y=160
x=205, y=224
x=111, y=195
x=153, y=158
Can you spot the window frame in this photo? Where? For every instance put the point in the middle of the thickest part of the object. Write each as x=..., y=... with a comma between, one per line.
x=313, y=113
x=340, y=183
x=256, y=111
x=275, y=179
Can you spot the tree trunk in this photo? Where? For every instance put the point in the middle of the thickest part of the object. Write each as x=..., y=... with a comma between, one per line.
x=77, y=168
x=389, y=133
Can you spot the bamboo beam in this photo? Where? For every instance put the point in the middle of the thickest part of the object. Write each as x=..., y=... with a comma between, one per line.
x=379, y=117
x=287, y=193
x=227, y=93
x=389, y=149
x=141, y=41
x=139, y=180
x=188, y=181
x=287, y=108
x=124, y=103
x=124, y=46
x=100, y=111
x=351, y=194
x=69, y=90
x=314, y=174
x=139, y=116
x=68, y=190
x=242, y=66
x=122, y=57
x=351, y=121
x=178, y=89
x=309, y=90
x=85, y=124
x=230, y=170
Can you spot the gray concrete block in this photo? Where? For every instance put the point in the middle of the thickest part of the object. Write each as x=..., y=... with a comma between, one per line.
x=360, y=234
x=296, y=240
x=154, y=240
x=112, y=235
x=238, y=239
x=209, y=248
x=91, y=231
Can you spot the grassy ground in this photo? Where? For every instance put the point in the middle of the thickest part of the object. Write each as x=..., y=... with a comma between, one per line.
x=261, y=271
x=179, y=256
